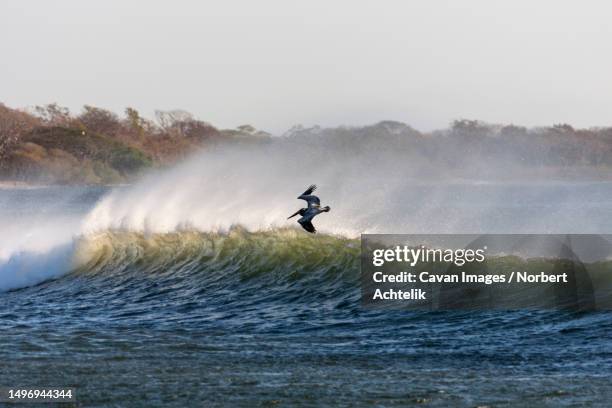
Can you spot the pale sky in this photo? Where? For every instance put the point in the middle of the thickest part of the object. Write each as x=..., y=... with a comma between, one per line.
x=274, y=64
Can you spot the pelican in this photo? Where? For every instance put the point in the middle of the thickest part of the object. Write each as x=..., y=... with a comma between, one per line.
x=314, y=209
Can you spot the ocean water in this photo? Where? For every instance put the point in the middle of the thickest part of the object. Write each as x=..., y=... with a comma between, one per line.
x=135, y=296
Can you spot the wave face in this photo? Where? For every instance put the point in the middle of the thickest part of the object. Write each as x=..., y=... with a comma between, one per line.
x=236, y=270
x=288, y=268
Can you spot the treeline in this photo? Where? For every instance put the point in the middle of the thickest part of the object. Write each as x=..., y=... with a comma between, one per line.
x=468, y=148
x=49, y=144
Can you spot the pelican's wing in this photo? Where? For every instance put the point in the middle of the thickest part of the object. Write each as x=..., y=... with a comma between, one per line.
x=309, y=190
x=310, y=199
x=307, y=225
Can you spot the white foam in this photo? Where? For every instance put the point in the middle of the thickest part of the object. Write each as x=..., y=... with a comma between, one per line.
x=33, y=250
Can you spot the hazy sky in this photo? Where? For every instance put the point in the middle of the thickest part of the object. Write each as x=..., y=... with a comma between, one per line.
x=274, y=64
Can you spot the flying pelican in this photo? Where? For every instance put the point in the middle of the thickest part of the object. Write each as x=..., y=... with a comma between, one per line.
x=314, y=209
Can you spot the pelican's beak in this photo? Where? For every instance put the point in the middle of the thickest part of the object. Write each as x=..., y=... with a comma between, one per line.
x=296, y=213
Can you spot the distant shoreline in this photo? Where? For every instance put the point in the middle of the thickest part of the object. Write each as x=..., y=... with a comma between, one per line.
x=6, y=185
x=23, y=185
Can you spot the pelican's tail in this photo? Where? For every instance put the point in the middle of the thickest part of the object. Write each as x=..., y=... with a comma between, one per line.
x=326, y=208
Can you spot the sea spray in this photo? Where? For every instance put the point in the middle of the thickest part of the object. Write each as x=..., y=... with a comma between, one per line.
x=256, y=186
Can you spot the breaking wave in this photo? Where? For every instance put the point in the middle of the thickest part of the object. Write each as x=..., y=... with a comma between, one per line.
x=252, y=189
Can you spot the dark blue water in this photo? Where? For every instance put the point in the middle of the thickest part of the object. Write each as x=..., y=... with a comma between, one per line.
x=273, y=319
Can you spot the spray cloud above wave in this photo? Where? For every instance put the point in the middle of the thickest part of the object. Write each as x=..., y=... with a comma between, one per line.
x=383, y=178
